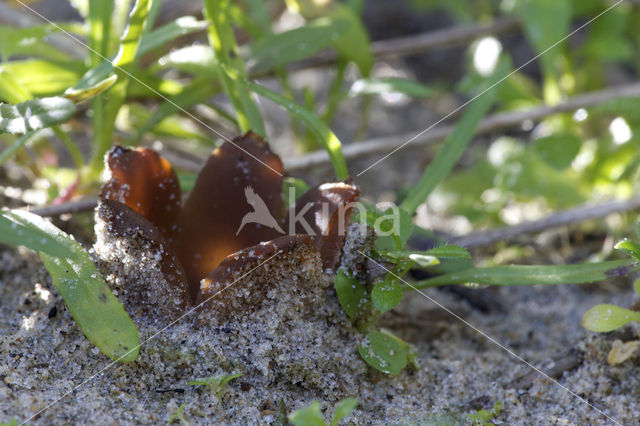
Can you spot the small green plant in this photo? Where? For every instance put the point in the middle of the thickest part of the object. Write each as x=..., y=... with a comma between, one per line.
x=606, y=317
x=215, y=383
x=365, y=302
x=483, y=417
x=312, y=414
x=178, y=416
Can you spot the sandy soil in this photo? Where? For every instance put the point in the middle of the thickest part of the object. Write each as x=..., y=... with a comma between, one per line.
x=296, y=356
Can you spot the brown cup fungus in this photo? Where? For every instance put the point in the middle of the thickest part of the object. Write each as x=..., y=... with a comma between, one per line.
x=199, y=249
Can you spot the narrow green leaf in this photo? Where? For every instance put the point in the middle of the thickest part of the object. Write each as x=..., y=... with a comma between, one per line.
x=604, y=318
x=10, y=88
x=106, y=111
x=517, y=275
x=352, y=294
x=100, y=13
x=545, y=23
x=354, y=44
x=636, y=286
x=20, y=228
x=379, y=86
x=130, y=41
x=231, y=70
x=449, y=251
x=455, y=144
x=280, y=49
x=16, y=145
x=169, y=32
x=197, y=91
x=100, y=316
x=82, y=92
x=629, y=247
x=387, y=294
x=308, y=416
x=344, y=408
x=35, y=114
x=427, y=258
x=45, y=78
x=30, y=41
x=94, y=76
x=384, y=352
x=325, y=136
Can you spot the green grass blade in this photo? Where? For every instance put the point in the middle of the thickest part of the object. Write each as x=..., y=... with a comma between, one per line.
x=125, y=61
x=520, y=275
x=455, y=144
x=100, y=316
x=231, y=67
x=326, y=137
x=131, y=39
x=8, y=153
x=197, y=91
x=280, y=49
x=100, y=12
x=169, y=32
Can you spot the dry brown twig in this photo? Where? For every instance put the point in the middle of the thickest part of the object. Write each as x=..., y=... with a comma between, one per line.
x=490, y=124
x=420, y=43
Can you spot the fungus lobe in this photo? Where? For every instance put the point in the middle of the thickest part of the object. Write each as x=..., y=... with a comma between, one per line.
x=207, y=236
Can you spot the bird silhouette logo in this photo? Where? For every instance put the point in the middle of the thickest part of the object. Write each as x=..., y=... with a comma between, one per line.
x=260, y=213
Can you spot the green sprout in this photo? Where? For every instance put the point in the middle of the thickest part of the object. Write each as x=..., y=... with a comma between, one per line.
x=178, y=416
x=312, y=414
x=483, y=417
x=215, y=383
x=605, y=317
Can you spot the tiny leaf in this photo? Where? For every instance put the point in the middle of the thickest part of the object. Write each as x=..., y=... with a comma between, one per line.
x=384, y=352
x=308, y=416
x=351, y=293
x=605, y=317
x=344, y=408
x=558, y=150
x=629, y=247
x=387, y=294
